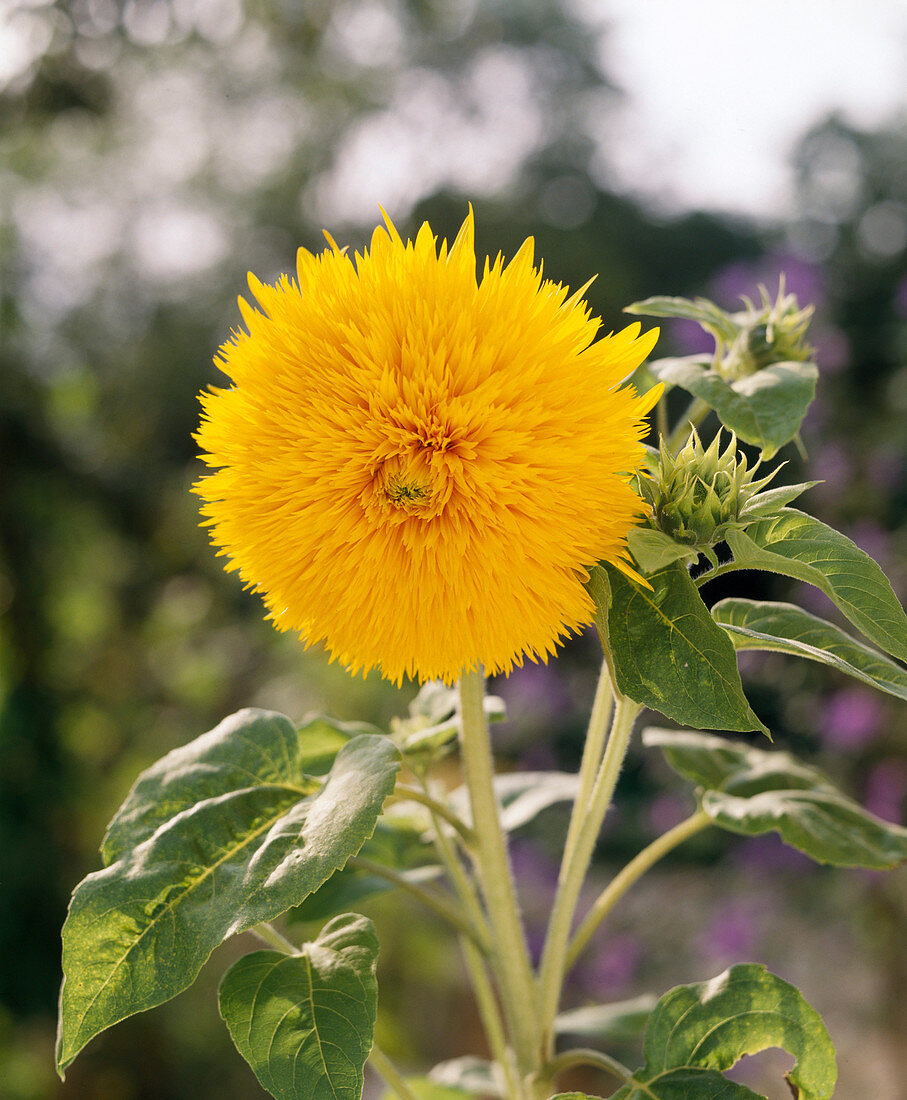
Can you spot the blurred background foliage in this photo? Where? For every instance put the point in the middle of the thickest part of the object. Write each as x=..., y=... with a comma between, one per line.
x=153, y=151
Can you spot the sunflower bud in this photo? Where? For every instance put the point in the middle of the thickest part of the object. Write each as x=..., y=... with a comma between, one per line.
x=700, y=494
x=773, y=332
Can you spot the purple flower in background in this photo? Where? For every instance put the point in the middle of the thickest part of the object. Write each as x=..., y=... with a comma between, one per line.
x=850, y=718
x=731, y=934
x=769, y=853
x=666, y=811
x=611, y=970
x=885, y=468
x=833, y=465
x=536, y=699
x=802, y=278
x=832, y=349
x=886, y=790
x=689, y=337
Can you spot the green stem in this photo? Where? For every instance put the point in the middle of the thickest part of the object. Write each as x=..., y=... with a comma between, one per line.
x=582, y=1056
x=661, y=415
x=273, y=938
x=433, y=901
x=696, y=412
x=489, y=1013
x=593, y=749
x=386, y=1069
x=625, y=878
x=489, y=1010
x=573, y=872
x=511, y=957
x=438, y=809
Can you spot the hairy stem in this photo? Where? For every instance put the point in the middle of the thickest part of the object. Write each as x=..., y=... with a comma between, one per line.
x=509, y=952
x=696, y=412
x=573, y=871
x=489, y=1013
x=383, y=1065
x=593, y=749
x=489, y=1010
x=625, y=878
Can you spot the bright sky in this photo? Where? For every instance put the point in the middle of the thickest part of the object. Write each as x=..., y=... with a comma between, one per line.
x=719, y=90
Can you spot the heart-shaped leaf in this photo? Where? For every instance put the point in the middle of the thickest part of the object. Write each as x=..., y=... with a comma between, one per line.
x=708, y=1026
x=784, y=628
x=799, y=546
x=305, y=1022
x=765, y=408
x=670, y=655
x=750, y=791
x=139, y=931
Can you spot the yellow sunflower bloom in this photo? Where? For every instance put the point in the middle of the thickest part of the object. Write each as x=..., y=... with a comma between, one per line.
x=417, y=468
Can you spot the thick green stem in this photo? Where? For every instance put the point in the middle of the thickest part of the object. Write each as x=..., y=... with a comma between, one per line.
x=509, y=952
x=593, y=749
x=489, y=1011
x=625, y=878
x=383, y=1065
x=573, y=871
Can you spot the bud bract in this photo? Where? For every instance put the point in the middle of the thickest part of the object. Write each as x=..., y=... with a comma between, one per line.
x=699, y=494
x=772, y=332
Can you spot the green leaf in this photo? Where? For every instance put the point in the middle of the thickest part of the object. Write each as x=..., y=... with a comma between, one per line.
x=687, y=1084
x=251, y=744
x=765, y=408
x=705, y=313
x=653, y=550
x=434, y=718
x=305, y=1022
x=426, y=1089
x=522, y=796
x=784, y=628
x=613, y=1023
x=711, y=1025
x=670, y=654
x=801, y=547
x=399, y=842
x=469, y=1074
x=750, y=791
x=139, y=931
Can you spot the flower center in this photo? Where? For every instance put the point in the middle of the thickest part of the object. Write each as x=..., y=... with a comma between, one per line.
x=410, y=494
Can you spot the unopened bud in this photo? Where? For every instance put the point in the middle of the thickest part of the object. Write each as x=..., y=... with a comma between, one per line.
x=773, y=332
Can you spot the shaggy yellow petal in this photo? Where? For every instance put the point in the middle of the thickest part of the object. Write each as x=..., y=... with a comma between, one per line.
x=417, y=467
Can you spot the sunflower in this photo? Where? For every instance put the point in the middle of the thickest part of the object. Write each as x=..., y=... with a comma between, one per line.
x=417, y=467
